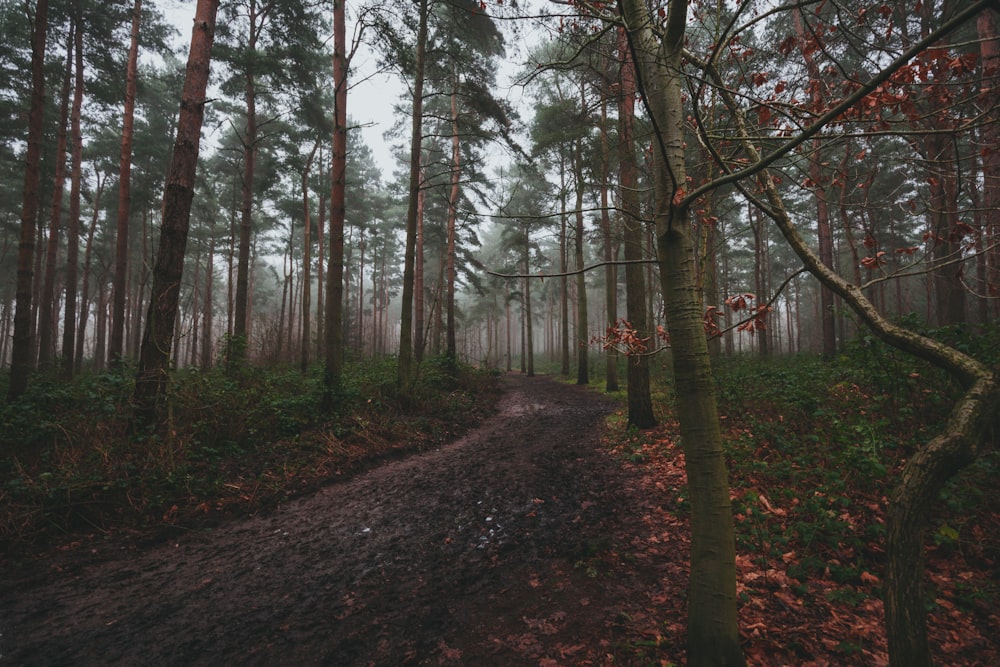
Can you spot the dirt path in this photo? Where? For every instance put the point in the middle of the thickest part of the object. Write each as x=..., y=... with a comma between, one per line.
x=503, y=548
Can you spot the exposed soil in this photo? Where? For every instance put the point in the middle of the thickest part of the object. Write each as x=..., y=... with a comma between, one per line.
x=510, y=546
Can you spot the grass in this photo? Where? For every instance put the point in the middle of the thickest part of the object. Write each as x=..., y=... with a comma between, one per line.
x=234, y=444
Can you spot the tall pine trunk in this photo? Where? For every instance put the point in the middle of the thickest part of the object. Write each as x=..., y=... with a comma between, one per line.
x=640, y=404
x=321, y=266
x=206, y=318
x=406, y=370
x=334, y=326
x=88, y=252
x=419, y=327
x=151, y=375
x=22, y=358
x=528, y=341
x=582, y=342
x=241, y=316
x=73, y=228
x=306, y=268
x=564, y=353
x=456, y=173
x=823, y=228
x=120, y=281
x=47, y=306
x=610, y=252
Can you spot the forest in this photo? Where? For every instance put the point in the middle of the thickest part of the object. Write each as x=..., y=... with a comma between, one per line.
x=252, y=250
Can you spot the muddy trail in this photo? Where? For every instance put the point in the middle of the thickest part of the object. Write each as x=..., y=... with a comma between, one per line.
x=502, y=548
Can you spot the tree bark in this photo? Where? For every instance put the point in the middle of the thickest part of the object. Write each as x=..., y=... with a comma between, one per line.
x=713, y=633
x=610, y=252
x=989, y=49
x=306, y=268
x=528, y=341
x=640, y=404
x=582, y=342
x=564, y=354
x=456, y=173
x=22, y=361
x=405, y=370
x=151, y=376
x=419, y=333
x=85, y=286
x=206, y=318
x=241, y=325
x=73, y=228
x=119, y=287
x=334, y=326
x=760, y=274
x=47, y=305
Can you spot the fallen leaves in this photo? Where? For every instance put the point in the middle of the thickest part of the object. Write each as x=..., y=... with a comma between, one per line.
x=834, y=615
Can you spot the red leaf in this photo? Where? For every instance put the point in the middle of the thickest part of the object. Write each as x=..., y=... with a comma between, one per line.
x=763, y=115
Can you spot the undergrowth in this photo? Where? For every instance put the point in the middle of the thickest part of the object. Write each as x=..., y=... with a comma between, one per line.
x=814, y=448
x=234, y=443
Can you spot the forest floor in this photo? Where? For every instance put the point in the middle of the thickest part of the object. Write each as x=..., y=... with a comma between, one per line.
x=526, y=542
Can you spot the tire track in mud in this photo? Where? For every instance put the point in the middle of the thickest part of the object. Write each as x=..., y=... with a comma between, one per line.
x=474, y=553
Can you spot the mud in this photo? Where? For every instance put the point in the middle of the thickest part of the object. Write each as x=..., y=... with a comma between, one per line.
x=507, y=547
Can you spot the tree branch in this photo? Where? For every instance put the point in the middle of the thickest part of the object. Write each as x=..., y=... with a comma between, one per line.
x=543, y=276
x=763, y=162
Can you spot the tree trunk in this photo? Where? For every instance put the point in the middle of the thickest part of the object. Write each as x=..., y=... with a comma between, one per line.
x=989, y=49
x=405, y=370
x=73, y=229
x=119, y=288
x=85, y=287
x=910, y=505
x=206, y=318
x=582, y=342
x=456, y=173
x=528, y=339
x=140, y=288
x=361, y=293
x=192, y=351
x=46, y=308
x=760, y=274
x=823, y=229
x=102, y=316
x=334, y=326
x=321, y=266
x=640, y=405
x=713, y=633
x=22, y=361
x=306, y=268
x=563, y=268
x=241, y=317
x=286, y=259
x=151, y=376
x=610, y=252
x=419, y=333
x=509, y=365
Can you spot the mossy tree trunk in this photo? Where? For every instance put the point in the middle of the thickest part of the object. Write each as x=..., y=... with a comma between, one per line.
x=713, y=633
